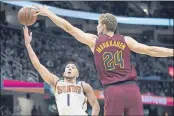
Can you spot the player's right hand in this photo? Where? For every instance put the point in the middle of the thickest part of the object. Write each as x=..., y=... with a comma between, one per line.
x=41, y=10
x=27, y=36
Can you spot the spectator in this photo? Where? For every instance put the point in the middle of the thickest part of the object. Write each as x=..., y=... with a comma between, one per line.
x=39, y=111
x=34, y=111
x=165, y=114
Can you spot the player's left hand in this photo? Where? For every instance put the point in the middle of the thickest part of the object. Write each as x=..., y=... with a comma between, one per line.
x=41, y=10
x=27, y=36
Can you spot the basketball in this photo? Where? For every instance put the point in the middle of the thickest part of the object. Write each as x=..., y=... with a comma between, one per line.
x=25, y=16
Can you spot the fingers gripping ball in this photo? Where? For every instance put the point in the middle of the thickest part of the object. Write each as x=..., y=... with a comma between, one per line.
x=25, y=16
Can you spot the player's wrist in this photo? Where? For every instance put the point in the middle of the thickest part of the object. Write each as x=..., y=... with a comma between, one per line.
x=49, y=13
x=27, y=45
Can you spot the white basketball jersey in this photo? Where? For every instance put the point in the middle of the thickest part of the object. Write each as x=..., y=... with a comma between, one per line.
x=70, y=98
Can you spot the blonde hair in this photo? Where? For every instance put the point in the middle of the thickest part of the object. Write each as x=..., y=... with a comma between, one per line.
x=109, y=20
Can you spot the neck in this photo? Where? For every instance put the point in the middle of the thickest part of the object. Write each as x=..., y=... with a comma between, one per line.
x=109, y=33
x=70, y=80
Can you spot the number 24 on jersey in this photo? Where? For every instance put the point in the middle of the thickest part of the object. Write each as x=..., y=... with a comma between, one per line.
x=112, y=59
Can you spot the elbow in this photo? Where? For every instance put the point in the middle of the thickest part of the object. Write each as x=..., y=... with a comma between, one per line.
x=149, y=51
x=67, y=27
x=36, y=65
x=151, y=54
x=150, y=48
x=96, y=106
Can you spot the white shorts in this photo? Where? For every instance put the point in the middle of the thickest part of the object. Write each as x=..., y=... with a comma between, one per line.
x=71, y=111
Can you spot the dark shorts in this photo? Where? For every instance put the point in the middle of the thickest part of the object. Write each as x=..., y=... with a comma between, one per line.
x=123, y=99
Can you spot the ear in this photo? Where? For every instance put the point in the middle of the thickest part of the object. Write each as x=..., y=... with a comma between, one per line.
x=78, y=74
x=64, y=74
x=104, y=25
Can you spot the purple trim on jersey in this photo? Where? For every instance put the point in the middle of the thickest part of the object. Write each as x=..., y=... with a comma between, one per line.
x=56, y=83
x=68, y=99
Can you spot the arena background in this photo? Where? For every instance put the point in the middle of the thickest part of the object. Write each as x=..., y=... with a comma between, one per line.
x=23, y=91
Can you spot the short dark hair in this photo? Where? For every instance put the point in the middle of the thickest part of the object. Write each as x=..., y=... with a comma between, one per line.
x=72, y=62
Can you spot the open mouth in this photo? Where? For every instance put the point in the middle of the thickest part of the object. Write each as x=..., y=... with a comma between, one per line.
x=69, y=72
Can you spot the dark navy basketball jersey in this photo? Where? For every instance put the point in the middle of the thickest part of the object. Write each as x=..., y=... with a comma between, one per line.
x=112, y=59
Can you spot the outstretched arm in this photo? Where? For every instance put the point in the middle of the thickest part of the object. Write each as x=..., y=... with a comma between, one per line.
x=86, y=38
x=153, y=51
x=92, y=99
x=48, y=77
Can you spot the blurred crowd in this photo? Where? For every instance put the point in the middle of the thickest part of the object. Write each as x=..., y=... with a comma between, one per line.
x=120, y=8
x=54, y=50
x=8, y=108
x=4, y=111
x=36, y=111
x=158, y=88
x=91, y=6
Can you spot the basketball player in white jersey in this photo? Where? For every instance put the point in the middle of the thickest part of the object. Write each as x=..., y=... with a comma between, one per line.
x=69, y=93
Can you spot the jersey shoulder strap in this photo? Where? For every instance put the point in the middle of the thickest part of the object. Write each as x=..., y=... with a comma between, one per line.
x=56, y=83
x=81, y=84
x=82, y=87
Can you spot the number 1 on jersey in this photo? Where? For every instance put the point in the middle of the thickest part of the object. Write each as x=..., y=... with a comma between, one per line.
x=110, y=60
x=68, y=99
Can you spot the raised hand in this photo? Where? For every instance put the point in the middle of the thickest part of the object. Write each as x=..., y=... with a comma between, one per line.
x=27, y=36
x=41, y=10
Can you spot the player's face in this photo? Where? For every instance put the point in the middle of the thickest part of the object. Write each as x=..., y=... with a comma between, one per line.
x=100, y=28
x=71, y=71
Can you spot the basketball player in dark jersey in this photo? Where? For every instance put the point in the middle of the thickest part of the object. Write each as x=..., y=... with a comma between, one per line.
x=112, y=54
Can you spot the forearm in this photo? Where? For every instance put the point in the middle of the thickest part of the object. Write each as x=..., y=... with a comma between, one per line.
x=62, y=23
x=95, y=109
x=160, y=52
x=35, y=61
